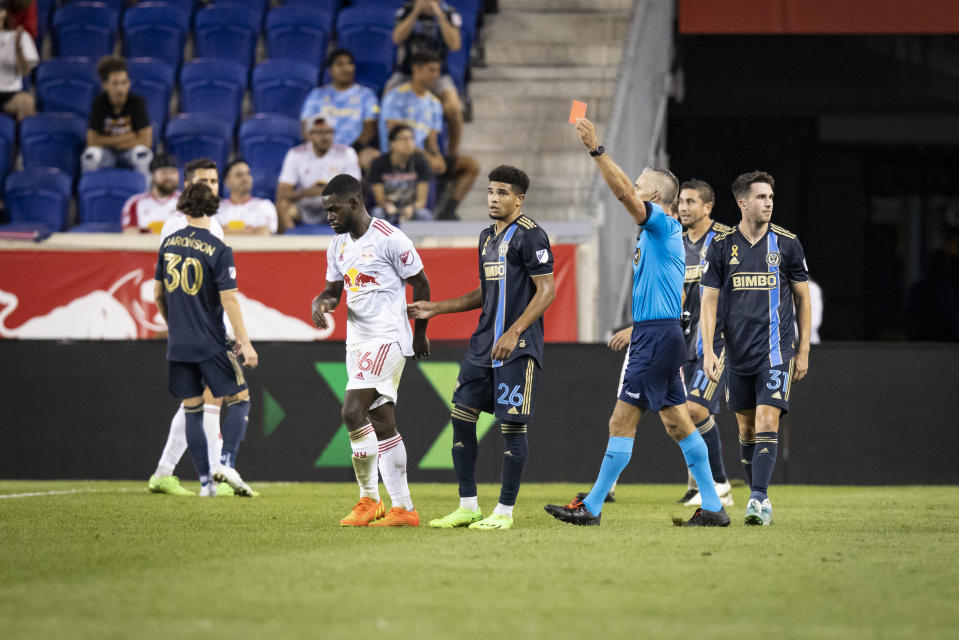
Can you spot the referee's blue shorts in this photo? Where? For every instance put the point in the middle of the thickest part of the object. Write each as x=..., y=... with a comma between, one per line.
x=651, y=376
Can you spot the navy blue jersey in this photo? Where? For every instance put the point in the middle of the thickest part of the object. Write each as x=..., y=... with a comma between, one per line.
x=756, y=281
x=194, y=267
x=695, y=259
x=658, y=268
x=507, y=263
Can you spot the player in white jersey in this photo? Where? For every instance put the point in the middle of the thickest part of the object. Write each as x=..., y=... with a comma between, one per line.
x=200, y=171
x=147, y=212
x=373, y=261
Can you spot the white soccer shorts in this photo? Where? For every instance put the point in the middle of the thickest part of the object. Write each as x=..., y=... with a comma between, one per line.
x=376, y=366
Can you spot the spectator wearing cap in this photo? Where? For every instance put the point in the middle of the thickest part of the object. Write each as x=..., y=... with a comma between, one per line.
x=119, y=132
x=241, y=212
x=400, y=180
x=146, y=212
x=306, y=170
x=18, y=56
x=350, y=108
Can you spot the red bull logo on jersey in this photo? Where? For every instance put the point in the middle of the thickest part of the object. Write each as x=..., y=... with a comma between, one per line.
x=354, y=280
x=755, y=281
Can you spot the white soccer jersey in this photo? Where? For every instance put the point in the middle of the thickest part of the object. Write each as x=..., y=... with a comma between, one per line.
x=373, y=269
x=178, y=220
x=252, y=213
x=148, y=212
x=303, y=168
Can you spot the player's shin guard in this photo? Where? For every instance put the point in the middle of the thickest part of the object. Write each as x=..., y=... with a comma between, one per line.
x=464, y=449
x=514, y=460
x=175, y=445
x=211, y=427
x=234, y=430
x=196, y=442
x=365, y=452
x=618, y=452
x=764, y=462
x=710, y=433
x=697, y=459
x=392, y=463
x=746, y=450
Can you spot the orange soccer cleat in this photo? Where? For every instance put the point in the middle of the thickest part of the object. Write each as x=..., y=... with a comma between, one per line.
x=366, y=511
x=398, y=517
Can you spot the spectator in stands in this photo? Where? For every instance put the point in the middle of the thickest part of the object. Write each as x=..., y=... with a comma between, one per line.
x=400, y=180
x=146, y=212
x=414, y=105
x=119, y=132
x=22, y=13
x=350, y=108
x=241, y=212
x=18, y=56
x=433, y=26
x=306, y=170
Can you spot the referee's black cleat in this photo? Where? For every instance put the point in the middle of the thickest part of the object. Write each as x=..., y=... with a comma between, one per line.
x=703, y=518
x=688, y=496
x=574, y=513
x=610, y=497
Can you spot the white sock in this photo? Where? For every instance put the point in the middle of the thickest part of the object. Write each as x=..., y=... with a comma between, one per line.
x=503, y=510
x=211, y=427
x=363, y=442
x=175, y=445
x=470, y=503
x=691, y=481
x=393, y=470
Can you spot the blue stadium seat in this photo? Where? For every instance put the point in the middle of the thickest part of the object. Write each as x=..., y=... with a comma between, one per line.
x=280, y=86
x=114, y=5
x=67, y=84
x=213, y=85
x=369, y=36
x=257, y=6
x=265, y=138
x=310, y=230
x=298, y=32
x=85, y=29
x=458, y=62
x=264, y=184
x=331, y=6
x=199, y=135
x=100, y=197
x=156, y=30
x=8, y=139
x=53, y=140
x=44, y=9
x=391, y=5
x=226, y=31
x=38, y=197
x=153, y=80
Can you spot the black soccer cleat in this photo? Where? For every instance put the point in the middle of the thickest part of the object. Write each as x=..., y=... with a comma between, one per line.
x=703, y=518
x=688, y=496
x=610, y=497
x=574, y=513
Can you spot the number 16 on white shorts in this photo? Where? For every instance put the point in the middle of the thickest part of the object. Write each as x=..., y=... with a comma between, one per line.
x=376, y=366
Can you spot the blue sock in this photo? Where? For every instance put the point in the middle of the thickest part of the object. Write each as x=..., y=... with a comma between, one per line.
x=196, y=441
x=746, y=450
x=464, y=449
x=764, y=461
x=697, y=459
x=618, y=452
x=710, y=433
x=514, y=460
x=234, y=430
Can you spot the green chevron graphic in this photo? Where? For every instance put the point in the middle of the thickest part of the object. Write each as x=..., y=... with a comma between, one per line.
x=273, y=414
x=442, y=377
x=338, y=452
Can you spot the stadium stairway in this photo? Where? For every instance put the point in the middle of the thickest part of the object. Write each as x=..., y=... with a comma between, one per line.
x=540, y=55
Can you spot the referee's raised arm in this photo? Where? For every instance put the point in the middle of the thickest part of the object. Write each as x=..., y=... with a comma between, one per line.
x=620, y=184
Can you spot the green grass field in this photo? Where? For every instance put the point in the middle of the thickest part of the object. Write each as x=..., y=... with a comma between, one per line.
x=114, y=561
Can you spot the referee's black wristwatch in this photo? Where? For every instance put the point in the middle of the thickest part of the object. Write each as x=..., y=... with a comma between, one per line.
x=598, y=151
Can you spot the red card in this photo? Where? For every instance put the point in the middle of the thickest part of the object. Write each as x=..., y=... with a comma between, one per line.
x=577, y=111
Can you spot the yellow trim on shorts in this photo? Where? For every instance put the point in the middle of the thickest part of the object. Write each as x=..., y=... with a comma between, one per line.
x=711, y=387
x=527, y=390
x=237, y=368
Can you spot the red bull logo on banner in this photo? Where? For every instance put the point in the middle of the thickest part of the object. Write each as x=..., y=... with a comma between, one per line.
x=354, y=280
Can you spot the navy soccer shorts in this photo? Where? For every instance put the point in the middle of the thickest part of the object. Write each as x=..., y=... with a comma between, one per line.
x=221, y=372
x=508, y=392
x=651, y=376
x=699, y=388
x=770, y=387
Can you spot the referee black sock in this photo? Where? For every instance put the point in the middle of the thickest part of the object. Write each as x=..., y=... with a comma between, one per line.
x=746, y=449
x=196, y=441
x=464, y=448
x=234, y=430
x=514, y=460
x=710, y=433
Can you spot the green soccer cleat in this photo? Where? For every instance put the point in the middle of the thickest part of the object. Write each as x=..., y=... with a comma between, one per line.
x=495, y=521
x=169, y=485
x=223, y=489
x=462, y=517
x=754, y=512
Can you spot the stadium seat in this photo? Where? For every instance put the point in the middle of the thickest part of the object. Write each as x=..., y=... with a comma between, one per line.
x=310, y=230
x=226, y=31
x=199, y=135
x=458, y=62
x=265, y=138
x=369, y=36
x=298, y=32
x=67, y=84
x=257, y=6
x=44, y=9
x=152, y=80
x=213, y=85
x=53, y=140
x=85, y=29
x=280, y=86
x=264, y=184
x=156, y=30
x=101, y=194
x=38, y=197
x=8, y=139
x=114, y=5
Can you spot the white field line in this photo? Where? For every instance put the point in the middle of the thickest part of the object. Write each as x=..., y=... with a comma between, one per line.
x=57, y=493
